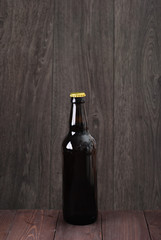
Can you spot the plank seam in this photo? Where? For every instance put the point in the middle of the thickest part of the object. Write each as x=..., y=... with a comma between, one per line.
x=101, y=228
x=113, y=103
x=56, y=226
x=11, y=225
x=147, y=225
x=51, y=134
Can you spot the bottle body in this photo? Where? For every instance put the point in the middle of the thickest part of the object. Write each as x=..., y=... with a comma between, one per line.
x=79, y=178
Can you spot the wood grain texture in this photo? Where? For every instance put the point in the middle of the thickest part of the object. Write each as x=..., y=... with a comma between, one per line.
x=67, y=231
x=34, y=224
x=83, y=61
x=25, y=103
x=154, y=224
x=6, y=220
x=123, y=225
x=111, y=49
x=137, y=105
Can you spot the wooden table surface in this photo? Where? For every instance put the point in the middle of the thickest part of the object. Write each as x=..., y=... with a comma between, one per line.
x=49, y=225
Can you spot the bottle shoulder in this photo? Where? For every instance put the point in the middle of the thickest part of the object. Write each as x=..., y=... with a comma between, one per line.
x=79, y=142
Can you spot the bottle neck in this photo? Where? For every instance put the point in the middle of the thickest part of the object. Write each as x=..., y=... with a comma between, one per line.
x=78, y=118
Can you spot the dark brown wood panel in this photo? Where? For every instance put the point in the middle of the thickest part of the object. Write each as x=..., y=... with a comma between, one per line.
x=154, y=223
x=34, y=224
x=137, y=105
x=65, y=231
x=25, y=102
x=112, y=51
x=83, y=61
x=123, y=225
x=6, y=220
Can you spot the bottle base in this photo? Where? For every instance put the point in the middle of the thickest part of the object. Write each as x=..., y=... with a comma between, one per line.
x=80, y=220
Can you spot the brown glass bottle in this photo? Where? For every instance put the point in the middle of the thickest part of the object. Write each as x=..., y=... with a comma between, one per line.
x=79, y=168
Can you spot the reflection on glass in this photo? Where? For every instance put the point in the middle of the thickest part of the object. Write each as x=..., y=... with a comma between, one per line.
x=69, y=146
x=74, y=115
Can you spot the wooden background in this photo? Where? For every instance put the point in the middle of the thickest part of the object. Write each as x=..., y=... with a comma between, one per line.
x=111, y=49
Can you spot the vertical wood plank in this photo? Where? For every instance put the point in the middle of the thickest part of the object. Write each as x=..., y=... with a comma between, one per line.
x=67, y=231
x=123, y=225
x=137, y=105
x=34, y=224
x=154, y=223
x=6, y=221
x=25, y=103
x=83, y=61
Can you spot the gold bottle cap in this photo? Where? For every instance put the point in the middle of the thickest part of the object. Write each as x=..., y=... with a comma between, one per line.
x=78, y=94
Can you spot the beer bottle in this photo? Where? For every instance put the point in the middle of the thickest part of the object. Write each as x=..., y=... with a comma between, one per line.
x=79, y=167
